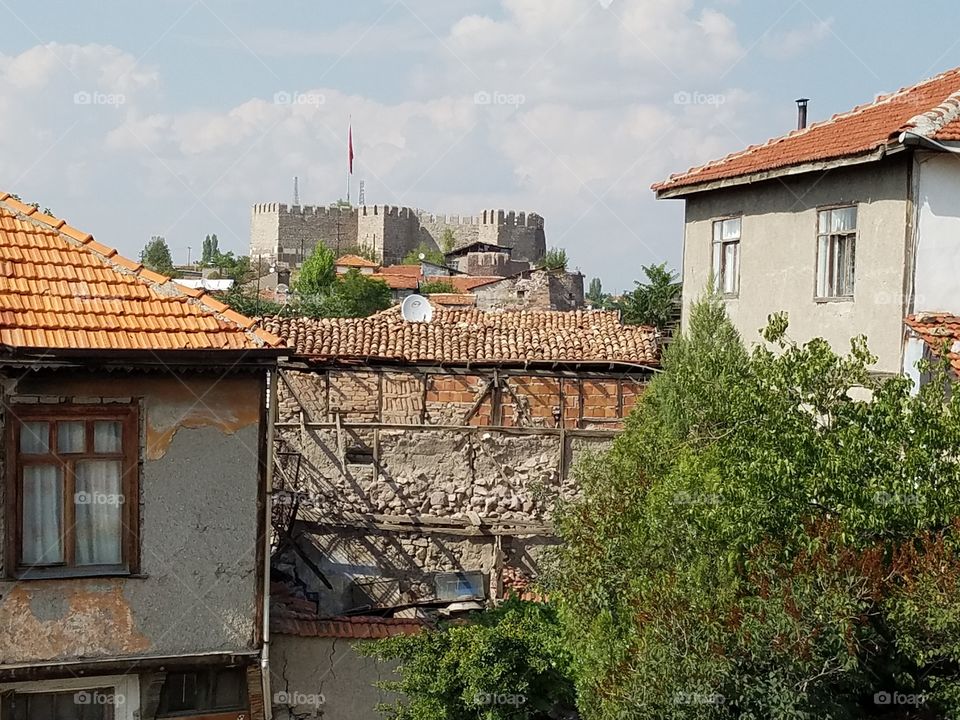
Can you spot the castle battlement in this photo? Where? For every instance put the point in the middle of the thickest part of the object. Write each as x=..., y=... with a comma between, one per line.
x=299, y=210
x=387, y=211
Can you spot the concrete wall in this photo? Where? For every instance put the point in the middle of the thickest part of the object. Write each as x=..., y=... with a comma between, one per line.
x=313, y=677
x=199, y=483
x=415, y=468
x=778, y=251
x=938, y=234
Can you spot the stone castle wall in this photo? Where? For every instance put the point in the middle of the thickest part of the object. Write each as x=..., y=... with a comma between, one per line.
x=288, y=233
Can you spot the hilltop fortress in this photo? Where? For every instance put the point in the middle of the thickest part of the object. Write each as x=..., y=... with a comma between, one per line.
x=286, y=234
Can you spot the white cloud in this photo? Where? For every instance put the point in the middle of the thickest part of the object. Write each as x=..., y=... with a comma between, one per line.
x=593, y=124
x=794, y=42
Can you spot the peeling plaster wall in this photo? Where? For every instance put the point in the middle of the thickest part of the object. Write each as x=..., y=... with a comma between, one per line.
x=313, y=677
x=199, y=484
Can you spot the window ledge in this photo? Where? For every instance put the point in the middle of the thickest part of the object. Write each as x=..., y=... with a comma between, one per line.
x=842, y=299
x=75, y=573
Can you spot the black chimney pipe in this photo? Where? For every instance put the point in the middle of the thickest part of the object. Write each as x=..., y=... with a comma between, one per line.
x=802, y=113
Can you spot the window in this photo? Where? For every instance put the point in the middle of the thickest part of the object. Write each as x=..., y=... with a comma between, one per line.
x=836, y=252
x=459, y=586
x=91, y=704
x=73, y=485
x=203, y=692
x=726, y=256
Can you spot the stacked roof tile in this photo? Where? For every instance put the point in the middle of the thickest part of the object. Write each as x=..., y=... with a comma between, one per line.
x=60, y=289
x=930, y=108
x=938, y=330
x=354, y=261
x=291, y=614
x=470, y=335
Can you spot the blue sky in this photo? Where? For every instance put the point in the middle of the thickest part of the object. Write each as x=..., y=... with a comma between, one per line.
x=174, y=117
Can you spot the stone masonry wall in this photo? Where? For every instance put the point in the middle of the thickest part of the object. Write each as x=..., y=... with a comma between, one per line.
x=453, y=462
x=278, y=231
x=538, y=290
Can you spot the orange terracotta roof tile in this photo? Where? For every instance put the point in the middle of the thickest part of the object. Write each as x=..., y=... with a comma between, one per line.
x=466, y=283
x=938, y=330
x=354, y=261
x=452, y=299
x=930, y=108
x=470, y=335
x=397, y=282
x=60, y=289
x=408, y=270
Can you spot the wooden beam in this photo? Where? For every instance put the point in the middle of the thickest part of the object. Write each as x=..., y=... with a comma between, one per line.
x=572, y=432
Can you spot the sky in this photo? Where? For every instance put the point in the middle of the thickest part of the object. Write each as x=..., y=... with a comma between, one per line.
x=174, y=117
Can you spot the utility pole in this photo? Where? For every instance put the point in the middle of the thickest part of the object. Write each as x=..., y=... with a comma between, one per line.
x=189, y=249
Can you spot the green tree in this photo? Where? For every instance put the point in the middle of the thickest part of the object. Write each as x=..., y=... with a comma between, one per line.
x=596, y=296
x=554, y=260
x=352, y=294
x=156, y=256
x=205, y=252
x=317, y=273
x=508, y=662
x=239, y=269
x=448, y=241
x=655, y=302
x=247, y=302
x=766, y=541
x=437, y=286
x=430, y=255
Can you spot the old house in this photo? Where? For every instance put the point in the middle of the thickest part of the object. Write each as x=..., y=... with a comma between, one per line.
x=135, y=468
x=417, y=467
x=850, y=225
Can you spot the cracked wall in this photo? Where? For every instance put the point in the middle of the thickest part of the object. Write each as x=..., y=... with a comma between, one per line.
x=199, y=483
x=314, y=677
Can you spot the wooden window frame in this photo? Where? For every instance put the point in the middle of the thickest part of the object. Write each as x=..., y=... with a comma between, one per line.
x=128, y=415
x=850, y=238
x=719, y=269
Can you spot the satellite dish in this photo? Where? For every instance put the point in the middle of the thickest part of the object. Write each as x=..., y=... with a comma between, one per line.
x=422, y=257
x=416, y=308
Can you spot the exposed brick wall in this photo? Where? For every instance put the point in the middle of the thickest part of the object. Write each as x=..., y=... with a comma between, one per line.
x=354, y=396
x=402, y=398
x=255, y=692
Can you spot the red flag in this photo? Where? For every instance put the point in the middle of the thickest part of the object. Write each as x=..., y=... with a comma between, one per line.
x=350, y=149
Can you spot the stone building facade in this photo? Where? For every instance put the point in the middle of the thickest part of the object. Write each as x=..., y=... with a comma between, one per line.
x=286, y=233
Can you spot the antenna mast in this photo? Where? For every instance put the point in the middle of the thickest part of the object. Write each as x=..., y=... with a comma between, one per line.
x=362, y=200
x=296, y=191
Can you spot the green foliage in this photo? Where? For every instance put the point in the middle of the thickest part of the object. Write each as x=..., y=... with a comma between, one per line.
x=247, y=302
x=554, y=260
x=238, y=269
x=437, y=286
x=211, y=251
x=430, y=255
x=597, y=297
x=317, y=273
x=352, y=294
x=655, y=302
x=508, y=662
x=367, y=253
x=448, y=240
x=156, y=256
x=765, y=542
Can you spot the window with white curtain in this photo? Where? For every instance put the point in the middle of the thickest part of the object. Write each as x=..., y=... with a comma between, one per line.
x=836, y=251
x=74, y=486
x=726, y=256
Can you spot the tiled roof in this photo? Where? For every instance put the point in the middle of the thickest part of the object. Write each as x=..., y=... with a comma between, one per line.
x=397, y=282
x=466, y=283
x=937, y=329
x=930, y=108
x=354, y=261
x=291, y=614
x=408, y=270
x=462, y=336
x=61, y=289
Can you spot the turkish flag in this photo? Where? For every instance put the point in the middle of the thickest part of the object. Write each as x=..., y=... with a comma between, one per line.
x=350, y=149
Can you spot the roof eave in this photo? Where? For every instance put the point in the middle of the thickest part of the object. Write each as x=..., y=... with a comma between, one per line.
x=232, y=357
x=667, y=192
